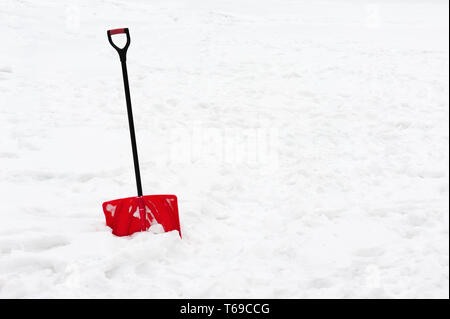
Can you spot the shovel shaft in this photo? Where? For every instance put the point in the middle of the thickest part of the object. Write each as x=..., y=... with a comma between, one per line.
x=131, y=126
x=123, y=58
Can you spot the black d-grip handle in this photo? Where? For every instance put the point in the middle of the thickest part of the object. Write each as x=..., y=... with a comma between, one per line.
x=122, y=51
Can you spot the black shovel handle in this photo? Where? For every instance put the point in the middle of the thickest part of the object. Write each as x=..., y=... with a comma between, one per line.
x=122, y=51
x=123, y=57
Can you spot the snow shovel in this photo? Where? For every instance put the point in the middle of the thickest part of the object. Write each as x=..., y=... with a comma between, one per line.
x=133, y=214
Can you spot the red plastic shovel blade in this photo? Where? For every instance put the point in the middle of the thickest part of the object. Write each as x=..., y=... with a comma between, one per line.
x=129, y=215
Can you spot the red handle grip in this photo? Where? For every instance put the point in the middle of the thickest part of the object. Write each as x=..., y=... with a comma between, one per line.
x=122, y=51
x=116, y=31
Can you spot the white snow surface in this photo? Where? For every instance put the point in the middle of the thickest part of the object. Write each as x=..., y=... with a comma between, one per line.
x=307, y=142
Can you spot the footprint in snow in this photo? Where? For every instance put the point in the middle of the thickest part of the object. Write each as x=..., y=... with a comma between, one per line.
x=320, y=283
x=8, y=155
x=5, y=69
x=369, y=252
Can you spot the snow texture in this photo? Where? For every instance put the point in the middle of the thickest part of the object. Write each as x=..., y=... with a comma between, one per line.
x=307, y=142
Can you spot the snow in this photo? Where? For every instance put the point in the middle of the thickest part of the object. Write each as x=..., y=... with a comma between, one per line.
x=307, y=143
